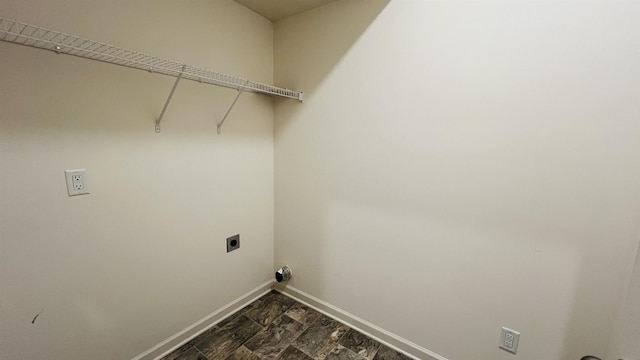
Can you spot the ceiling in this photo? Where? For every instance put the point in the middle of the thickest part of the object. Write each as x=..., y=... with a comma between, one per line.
x=275, y=10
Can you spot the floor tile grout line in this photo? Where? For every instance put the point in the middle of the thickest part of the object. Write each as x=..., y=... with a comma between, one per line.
x=194, y=341
x=374, y=353
x=343, y=335
x=262, y=329
x=201, y=353
x=257, y=323
x=267, y=326
x=377, y=349
x=254, y=335
x=351, y=351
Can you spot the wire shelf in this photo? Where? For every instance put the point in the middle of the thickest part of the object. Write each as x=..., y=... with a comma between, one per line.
x=35, y=36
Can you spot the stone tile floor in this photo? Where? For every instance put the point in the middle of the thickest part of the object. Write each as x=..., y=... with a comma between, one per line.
x=277, y=327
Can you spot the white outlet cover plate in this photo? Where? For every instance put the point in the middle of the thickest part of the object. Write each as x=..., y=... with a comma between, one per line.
x=509, y=340
x=77, y=182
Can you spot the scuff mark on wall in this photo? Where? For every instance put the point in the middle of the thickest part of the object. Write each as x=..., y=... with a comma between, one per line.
x=36, y=317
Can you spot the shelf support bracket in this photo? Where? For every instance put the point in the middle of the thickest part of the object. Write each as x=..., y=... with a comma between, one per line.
x=166, y=104
x=240, y=91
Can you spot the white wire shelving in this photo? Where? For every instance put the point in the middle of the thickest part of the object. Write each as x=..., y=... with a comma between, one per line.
x=38, y=37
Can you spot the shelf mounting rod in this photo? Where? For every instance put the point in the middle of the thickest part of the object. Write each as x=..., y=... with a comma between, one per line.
x=240, y=91
x=166, y=104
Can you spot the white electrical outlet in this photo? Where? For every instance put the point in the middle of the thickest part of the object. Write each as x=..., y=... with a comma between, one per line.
x=77, y=182
x=509, y=340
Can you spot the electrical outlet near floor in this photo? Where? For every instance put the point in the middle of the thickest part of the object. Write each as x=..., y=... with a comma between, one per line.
x=509, y=340
x=77, y=182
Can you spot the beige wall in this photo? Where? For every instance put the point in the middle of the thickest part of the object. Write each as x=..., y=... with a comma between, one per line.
x=624, y=339
x=462, y=166
x=456, y=167
x=144, y=255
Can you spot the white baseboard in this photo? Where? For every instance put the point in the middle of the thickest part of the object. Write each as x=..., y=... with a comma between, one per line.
x=204, y=324
x=393, y=341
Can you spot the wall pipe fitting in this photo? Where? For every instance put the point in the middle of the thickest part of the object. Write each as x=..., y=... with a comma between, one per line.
x=283, y=274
